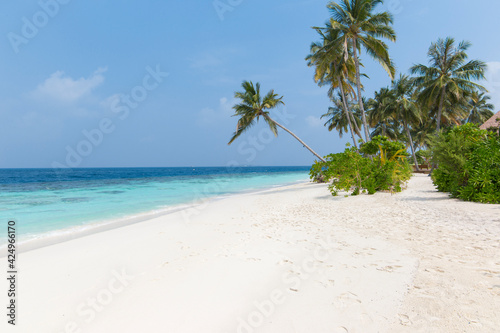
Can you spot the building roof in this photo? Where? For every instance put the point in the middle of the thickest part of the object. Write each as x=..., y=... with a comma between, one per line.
x=492, y=122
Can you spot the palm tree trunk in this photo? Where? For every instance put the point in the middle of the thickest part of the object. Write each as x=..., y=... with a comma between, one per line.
x=296, y=137
x=438, y=121
x=412, y=147
x=358, y=131
x=356, y=127
x=440, y=110
x=347, y=112
x=358, y=85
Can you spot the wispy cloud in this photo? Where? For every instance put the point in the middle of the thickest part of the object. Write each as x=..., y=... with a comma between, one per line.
x=60, y=87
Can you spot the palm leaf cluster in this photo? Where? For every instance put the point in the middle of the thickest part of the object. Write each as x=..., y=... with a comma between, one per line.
x=447, y=84
x=253, y=106
x=354, y=25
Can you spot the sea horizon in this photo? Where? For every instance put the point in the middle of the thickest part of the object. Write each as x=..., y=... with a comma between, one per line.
x=154, y=167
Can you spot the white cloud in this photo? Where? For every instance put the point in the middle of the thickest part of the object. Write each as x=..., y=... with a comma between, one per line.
x=313, y=121
x=62, y=88
x=493, y=83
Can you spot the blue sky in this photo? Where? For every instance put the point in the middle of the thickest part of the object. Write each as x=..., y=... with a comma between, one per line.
x=66, y=72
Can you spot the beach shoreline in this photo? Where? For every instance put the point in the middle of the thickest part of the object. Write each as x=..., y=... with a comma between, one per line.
x=34, y=242
x=289, y=259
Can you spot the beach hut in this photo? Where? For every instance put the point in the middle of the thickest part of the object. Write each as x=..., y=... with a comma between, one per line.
x=493, y=122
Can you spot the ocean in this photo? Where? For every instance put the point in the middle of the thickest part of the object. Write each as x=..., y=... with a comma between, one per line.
x=46, y=203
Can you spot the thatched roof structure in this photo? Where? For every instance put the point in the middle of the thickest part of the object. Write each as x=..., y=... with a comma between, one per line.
x=492, y=122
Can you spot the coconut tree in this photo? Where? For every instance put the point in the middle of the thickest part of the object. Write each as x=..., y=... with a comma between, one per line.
x=421, y=133
x=380, y=113
x=338, y=119
x=360, y=27
x=253, y=106
x=405, y=109
x=480, y=110
x=334, y=69
x=448, y=78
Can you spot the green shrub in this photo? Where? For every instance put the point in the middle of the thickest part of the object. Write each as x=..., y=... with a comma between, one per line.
x=317, y=172
x=381, y=166
x=378, y=143
x=483, y=172
x=468, y=162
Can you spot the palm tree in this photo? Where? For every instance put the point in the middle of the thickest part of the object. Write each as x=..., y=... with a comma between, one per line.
x=421, y=133
x=380, y=113
x=334, y=69
x=336, y=118
x=447, y=79
x=454, y=111
x=339, y=120
x=405, y=108
x=253, y=106
x=479, y=108
x=359, y=26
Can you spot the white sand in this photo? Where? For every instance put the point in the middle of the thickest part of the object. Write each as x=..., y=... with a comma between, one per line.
x=294, y=259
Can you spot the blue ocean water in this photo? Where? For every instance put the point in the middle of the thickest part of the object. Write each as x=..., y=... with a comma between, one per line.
x=43, y=201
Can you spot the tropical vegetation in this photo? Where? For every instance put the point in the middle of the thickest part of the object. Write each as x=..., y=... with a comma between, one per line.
x=419, y=113
x=380, y=165
x=469, y=163
x=447, y=83
x=355, y=25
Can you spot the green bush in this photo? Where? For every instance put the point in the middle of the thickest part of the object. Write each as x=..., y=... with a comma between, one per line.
x=317, y=172
x=381, y=166
x=468, y=162
x=378, y=143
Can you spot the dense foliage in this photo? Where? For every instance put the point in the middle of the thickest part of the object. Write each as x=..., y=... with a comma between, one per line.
x=381, y=165
x=468, y=162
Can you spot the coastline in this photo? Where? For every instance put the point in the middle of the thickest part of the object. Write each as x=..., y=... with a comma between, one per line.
x=34, y=242
x=291, y=259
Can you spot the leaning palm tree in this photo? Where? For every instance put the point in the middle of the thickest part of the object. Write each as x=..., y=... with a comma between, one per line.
x=448, y=78
x=359, y=26
x=480, y=110
x=253, y=106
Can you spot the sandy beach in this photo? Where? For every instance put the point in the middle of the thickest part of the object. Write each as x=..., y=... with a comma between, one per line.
x=291, y=259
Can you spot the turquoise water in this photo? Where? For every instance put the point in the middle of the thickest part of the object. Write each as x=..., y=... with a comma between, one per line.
x=42, y=202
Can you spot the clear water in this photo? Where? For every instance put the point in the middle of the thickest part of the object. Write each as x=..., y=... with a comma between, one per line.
x=42, y=201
